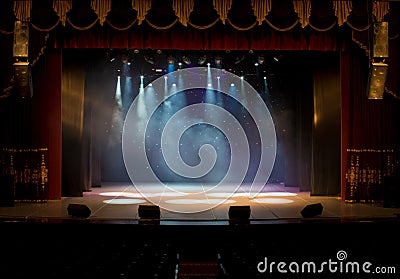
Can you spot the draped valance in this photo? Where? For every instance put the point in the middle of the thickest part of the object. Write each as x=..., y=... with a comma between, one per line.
x=282, y=15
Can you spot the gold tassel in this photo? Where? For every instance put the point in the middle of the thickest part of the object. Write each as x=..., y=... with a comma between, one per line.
x=182, y=9
x=101, y=7
x=342, y=10
x=222, y=7
x=261, y=9
x=142, y=7
x=22, y=10
x=303, y=10
x=61, y=7
x=379, y=10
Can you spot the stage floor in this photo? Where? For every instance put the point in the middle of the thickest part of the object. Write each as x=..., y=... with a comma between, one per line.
x=119, y=203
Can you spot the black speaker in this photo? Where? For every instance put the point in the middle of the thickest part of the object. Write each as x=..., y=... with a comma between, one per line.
x=377, y=80
x=381, y=39
x=312, y=210
x=21, y=39
x=78, y=210
x=149, y=211
x=23, y=80
x=239, y=212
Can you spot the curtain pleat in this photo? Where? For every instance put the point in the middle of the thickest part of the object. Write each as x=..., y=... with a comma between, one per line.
x=261, y=9
x=142, y=7
x=303, y=10
x=101, y=7
x=379, y=10
x=182, y=9
x=222, y=8
x=61, y=7
x=342, y=10
x=22, y=10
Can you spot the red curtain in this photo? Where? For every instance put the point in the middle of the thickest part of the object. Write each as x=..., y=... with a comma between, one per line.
x=46, y=115
x=370, y=138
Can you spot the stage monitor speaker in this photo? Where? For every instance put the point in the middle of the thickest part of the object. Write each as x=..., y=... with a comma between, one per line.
x=21, y=39
x=23, y=80
x=381, y=40
x=239, y=212
x=312, y=210
x=377, y=80
x=149, y=212
x=78, y=210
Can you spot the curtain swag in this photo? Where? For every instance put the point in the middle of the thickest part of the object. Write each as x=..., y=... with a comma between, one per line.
x=183, y=9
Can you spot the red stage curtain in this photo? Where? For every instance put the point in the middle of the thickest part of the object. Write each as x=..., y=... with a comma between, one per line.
x=46, y=116
x=370, y=128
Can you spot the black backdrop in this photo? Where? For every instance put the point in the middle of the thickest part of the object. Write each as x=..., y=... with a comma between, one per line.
x=301, y=87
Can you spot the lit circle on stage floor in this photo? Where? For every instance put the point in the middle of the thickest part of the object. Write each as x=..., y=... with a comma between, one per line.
x=124, y=201
x=198, y=126
x=272, y=200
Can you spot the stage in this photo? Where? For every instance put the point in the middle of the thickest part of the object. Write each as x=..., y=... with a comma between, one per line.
x=118, y=202
x=113, y=241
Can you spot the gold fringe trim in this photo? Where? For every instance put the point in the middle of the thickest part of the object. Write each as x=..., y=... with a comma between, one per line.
x=361, y=45
x=204, y=27
x=282, y=29
x=101, y=7
x=62, y=7
x=142, y=7
x=394, y=37
x=261, y=9
x=182, y=9
x=161, y=27
x=342, y=10
x=222, y=7
x=82, y=28
x=303, y=10
x=379, y=10
x=42, y=49
x=392, y=93
x=45, y=29
x=22, y=10
x=358, y=29
x=323, y=29
x=241, y=28
x=123, y=28
x=4, y=32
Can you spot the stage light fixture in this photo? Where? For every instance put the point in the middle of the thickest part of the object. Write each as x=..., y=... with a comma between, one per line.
x=148, y=59
x=218, y=60
x=202, y=59
x=239, y=59
x=260, y=59
x=171, y=60
x=186, y=60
